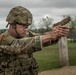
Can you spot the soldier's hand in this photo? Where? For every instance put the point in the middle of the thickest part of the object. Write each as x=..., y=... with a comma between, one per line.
x=60, y=31
x=63, y=31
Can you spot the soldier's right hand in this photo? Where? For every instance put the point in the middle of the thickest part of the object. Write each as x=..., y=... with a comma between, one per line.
x=59, y=31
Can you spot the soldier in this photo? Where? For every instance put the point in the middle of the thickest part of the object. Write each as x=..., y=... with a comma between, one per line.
x=18, y=44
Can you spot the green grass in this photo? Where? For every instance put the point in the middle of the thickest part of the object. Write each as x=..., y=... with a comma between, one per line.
x=49, y=57
x=72, y=57
x=72, y=53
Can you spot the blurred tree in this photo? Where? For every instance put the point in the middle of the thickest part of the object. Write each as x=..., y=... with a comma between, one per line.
x=72, y=26
x=45, y=24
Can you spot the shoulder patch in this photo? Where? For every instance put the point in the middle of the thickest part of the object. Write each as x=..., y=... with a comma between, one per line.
x=1, y=37
x=6, y=39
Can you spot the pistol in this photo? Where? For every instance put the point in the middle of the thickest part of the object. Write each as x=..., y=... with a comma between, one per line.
x=63, y=22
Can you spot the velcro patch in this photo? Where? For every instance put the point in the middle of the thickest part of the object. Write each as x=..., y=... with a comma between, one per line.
x=1, y=37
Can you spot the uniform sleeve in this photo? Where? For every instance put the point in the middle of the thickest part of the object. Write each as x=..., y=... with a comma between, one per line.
x=51, y=42
x=17, y=46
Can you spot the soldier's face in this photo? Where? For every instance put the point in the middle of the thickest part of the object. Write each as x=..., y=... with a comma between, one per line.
x=21, y=30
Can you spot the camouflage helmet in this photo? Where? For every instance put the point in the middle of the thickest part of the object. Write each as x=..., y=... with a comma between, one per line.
x=19, y=15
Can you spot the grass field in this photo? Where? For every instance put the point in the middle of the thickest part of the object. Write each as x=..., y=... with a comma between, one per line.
x=49, y=57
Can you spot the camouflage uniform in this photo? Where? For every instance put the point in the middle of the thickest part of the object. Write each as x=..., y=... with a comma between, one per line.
x=17, y=57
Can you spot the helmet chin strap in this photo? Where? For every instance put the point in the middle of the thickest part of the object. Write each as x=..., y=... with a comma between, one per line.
x=14, y=27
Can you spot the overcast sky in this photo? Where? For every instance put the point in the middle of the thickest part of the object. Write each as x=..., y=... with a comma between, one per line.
x=39, y=8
